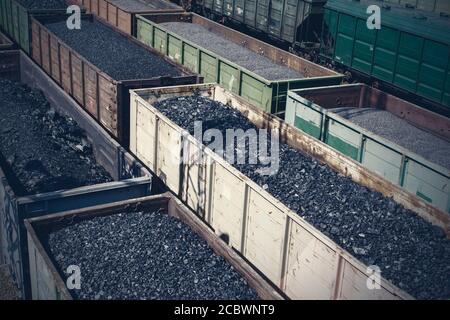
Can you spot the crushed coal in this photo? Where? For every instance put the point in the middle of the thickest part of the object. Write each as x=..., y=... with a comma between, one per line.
x=411, y=252
x=8, y=290
x=40, y=149
x=112, y=52
x=144, y=255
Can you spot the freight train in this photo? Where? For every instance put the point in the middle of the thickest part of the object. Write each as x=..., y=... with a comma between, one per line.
x=293, y=21
x=408, y=56
x=334, y=33
x=338, y=28
x=76, y=75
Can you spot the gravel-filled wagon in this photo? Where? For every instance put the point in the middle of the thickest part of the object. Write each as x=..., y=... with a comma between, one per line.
x=255, y=70
x=404, y=143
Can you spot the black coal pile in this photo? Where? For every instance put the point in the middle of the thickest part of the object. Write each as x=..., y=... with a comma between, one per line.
x=112, y=52
x=43, y=4
x=8, y=289
x=411, y=253
x=41, y=150
x=144, y=255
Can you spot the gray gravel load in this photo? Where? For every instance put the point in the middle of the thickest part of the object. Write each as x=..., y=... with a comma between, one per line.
x=145, y=255
x=112, y=52
x=43, y=4
x=411, y=253
x=401, y=132
x=41, y=150
x=236, y=53
x=144, y=5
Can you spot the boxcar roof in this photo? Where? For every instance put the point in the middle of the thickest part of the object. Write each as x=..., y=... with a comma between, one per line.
x=429, y=25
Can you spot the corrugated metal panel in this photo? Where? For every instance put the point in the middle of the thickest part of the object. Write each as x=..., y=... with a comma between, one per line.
x=229, y=77
x=434, y=64
x=364, y=47
x=262, y=15
x=208, y=67
x=228, y=8
x=291, y=19
x=383, y=160
x=345, y=39
x=250, y=13
x=385, y=54
x=427, y=184
x=408, y=61
x=276, y=17
x=190, y=57
x=208, y=4
x=175, y=49
x=217, y=6
x=239, y=10
x=145, y=34
x=343, y=138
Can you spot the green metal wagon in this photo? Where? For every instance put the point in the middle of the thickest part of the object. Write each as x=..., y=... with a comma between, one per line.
x=269, y=95
x=411, y=50
x=15, y=20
